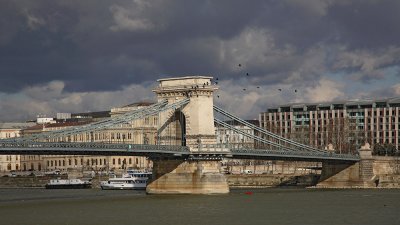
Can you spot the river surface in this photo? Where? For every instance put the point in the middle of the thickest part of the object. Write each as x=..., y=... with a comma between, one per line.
x=240, y=207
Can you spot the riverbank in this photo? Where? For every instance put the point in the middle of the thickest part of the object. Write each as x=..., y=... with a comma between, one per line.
x=234, y=181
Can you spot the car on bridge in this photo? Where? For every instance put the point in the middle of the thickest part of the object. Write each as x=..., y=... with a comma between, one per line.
x=247, y=172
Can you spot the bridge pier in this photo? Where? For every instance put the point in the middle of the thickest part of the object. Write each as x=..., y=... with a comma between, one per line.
x=176, y=176
x=191, y=126
x=349, y=175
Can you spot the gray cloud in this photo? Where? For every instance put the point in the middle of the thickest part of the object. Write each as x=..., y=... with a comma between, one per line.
x=67, y=49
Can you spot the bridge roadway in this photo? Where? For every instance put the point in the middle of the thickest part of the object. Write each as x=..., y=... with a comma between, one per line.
x=214, y=152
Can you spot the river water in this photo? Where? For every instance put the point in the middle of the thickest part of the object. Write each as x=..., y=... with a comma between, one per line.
x=240, y=207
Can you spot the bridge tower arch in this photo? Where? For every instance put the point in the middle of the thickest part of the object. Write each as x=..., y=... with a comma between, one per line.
x=191, y=125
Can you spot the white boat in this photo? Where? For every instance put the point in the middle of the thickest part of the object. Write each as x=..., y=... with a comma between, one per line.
x=68, y=184
x=139, y=174
x=133, y=180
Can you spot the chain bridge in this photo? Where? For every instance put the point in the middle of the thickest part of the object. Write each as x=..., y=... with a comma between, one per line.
x=186, y=152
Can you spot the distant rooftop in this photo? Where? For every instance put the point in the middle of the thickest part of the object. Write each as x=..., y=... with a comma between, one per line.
x=100, y=114
x=393, y=102
x=138, y=104
x=16, y=125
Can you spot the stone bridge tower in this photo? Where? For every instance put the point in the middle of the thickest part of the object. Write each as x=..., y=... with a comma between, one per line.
x=191, y=125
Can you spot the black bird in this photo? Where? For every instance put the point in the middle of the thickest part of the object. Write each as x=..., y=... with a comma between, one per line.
x=295, y=90
x=217, y=96
x=279, y=89
x=240, y=65
x=258, y=87
x=244, y=89
x=216, y=82
x=216, y=78
x=247, y=74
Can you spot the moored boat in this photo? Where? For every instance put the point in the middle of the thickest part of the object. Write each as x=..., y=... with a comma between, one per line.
x=68, y=184
x=133, y=180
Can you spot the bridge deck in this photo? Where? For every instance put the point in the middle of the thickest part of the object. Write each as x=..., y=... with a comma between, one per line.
x=95, y=148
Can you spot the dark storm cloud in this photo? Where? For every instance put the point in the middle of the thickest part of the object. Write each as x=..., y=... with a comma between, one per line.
x=98, y=46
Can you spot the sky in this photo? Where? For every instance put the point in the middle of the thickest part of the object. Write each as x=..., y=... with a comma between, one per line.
x=92, y=55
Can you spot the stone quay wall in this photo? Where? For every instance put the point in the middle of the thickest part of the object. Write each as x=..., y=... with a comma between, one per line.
x=386, y=170
x=271, y=180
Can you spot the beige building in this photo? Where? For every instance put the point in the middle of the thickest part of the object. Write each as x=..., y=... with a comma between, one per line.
x=143, y=131
x=11, y=130
x=231, y=138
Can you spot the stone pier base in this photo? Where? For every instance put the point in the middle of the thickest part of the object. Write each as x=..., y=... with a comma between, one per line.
x=187, y=177
x=346, y=175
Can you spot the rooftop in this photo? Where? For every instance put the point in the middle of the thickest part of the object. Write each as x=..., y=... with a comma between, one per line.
x=16, y=125
x=352, y=102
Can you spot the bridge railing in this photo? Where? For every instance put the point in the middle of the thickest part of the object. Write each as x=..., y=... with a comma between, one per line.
x=89, y=146
x=294, y=154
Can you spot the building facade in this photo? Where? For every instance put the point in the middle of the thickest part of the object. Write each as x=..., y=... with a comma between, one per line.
x=11, y=130
x=142, y=131
x=231, y=138
x=346, y=125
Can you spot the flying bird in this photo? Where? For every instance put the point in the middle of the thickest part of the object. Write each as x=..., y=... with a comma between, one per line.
x=240, y=65
x=247, y=74
x=295, y=90
x=216, y=78
x=244, y=89
x=217, y=96
x=279, y=89
x=258, y=87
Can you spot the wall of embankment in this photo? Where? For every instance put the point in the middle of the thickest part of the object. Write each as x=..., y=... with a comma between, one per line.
x=386, y=170
x=234, y=181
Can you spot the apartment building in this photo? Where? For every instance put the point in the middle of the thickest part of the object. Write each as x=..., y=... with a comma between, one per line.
x=345, y=124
